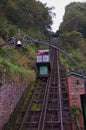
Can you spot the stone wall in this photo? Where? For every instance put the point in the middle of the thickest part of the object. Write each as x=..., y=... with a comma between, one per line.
x=10, y=93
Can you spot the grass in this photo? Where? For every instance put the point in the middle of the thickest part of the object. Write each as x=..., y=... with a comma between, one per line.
x=13, y=71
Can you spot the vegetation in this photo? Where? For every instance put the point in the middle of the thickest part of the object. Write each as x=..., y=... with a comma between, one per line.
x=33, y=19
x=75, y=116
x=16, y=65
x=73, y=34
x=31, y=16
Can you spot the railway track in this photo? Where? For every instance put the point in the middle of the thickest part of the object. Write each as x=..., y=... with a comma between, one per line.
x=49, y=105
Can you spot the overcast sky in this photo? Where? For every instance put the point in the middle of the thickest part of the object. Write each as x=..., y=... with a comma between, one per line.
x=59, y=10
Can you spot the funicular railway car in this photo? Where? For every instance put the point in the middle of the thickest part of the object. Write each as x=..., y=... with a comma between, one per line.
x=43, y=63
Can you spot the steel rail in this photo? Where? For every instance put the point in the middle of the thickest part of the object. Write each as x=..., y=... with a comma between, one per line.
x=48, y=120
x=59, y=89
x=29, y=107
x=43, y=105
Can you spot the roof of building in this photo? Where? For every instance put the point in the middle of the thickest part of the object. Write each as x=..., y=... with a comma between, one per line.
x=76, y=74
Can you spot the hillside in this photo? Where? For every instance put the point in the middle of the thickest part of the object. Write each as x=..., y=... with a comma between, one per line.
x=73, y=34
x=17, y=65
x=34, y=20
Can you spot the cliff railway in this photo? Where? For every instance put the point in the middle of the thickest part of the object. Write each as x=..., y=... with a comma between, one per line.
x=49, y=108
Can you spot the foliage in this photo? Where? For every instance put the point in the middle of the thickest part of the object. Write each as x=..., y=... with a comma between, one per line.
x=75, y=18
x=14, y=71
x=33, y=19
x=75, y=111
x=73, y=34
x=27, y=14
x=75, y=115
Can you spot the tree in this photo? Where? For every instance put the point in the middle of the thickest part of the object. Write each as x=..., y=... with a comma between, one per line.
x=75, y=18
